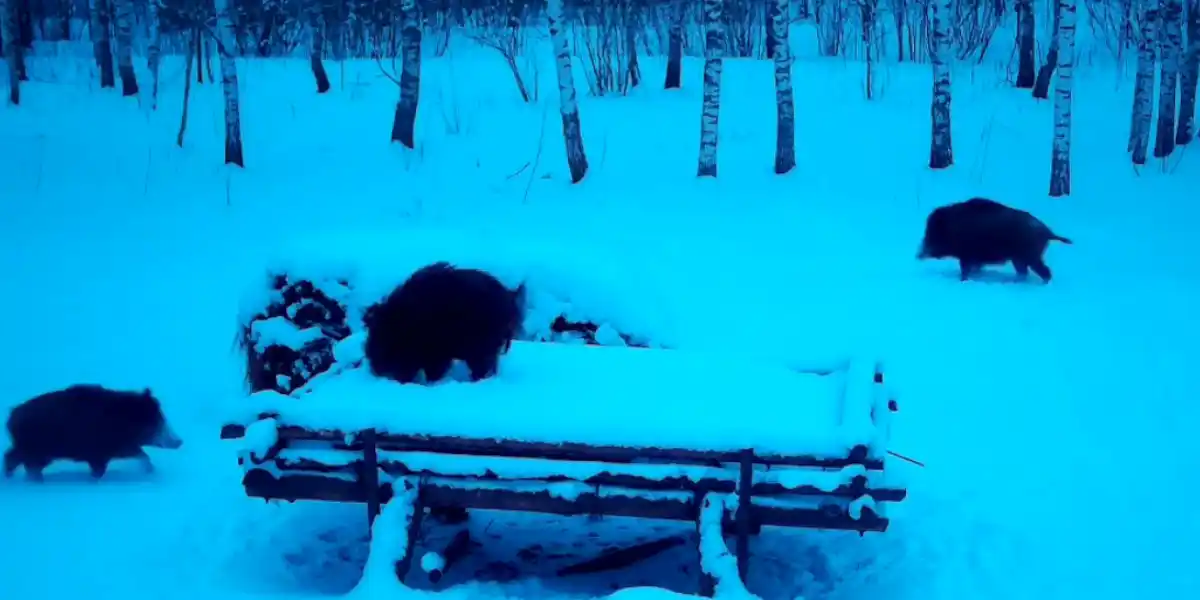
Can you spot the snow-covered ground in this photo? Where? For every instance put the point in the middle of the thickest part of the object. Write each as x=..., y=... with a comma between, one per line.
x=1055, y=422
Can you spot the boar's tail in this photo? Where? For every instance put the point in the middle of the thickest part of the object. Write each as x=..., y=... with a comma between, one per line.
x=1055, y=236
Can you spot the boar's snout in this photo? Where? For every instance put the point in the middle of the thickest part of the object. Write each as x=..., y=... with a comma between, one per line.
x=166, y=438
x=923, y=251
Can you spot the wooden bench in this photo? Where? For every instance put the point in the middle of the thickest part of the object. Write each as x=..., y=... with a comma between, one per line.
x=726, y=442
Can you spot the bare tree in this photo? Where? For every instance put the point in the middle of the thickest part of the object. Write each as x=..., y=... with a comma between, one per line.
x=785, y=105
x=1189, y=79
x=12, y=48
x=941, y=150
x=316, y=25
x=101, y=45
x=1025, y=29
x=191, y=58
x=1170, y=45
x=633, y=71
x=1060, y=155
x=1041, y=87
x=714, y=53
x=509, y=41
x=154, y=50
x=568, y=105
x=124, y=23
x=226, y=47
x=899, y=9
x=1142, y=113
x=867, y=10
x=675, y=46
x=405, y=120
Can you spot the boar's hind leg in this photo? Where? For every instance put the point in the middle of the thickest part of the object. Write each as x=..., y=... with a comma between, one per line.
x=99, y=467
x=1041, y=269
x=966, y=268
x=1022, y=268
x=34, y=466
x=436, y=368
x=484, y=364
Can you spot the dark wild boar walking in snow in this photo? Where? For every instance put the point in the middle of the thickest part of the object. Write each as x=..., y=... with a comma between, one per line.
x=86, y=423
x=981, y=232
x=442, y=313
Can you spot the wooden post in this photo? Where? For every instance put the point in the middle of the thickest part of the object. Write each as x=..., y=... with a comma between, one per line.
x=414, y=529
x=369, y=478
x=708, y=586
x=745, y=486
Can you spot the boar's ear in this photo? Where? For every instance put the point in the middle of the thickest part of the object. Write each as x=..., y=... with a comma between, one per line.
x=519, y=296
x=146, y=393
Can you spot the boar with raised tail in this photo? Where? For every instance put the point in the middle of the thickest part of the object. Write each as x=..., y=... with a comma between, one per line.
x=981, y=232
x=86, y=423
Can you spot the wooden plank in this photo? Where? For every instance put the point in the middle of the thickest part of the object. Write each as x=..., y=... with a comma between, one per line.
x=441, y=493
x=857, y=487
x=744, y=510
x=369, y=475
x=567, y=451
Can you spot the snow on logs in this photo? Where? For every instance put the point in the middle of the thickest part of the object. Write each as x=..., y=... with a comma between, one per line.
x=305, y=316
x=579, y=429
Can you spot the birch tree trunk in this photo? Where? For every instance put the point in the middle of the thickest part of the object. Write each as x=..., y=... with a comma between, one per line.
x=1142, y=113
x=1171, y=42
x=316, y=24
x=154, y=51
x=714, y=52
x=1060, y=155
x=1025, y=38
x=568, y=105
x=124, y=26
x=101, y=45
x=1041, y=88
x=11, y=47
x=229, y=85
x=785, y=106
x=675, y=47
x=1189, y=79
x=941, y=151
x=405, y=120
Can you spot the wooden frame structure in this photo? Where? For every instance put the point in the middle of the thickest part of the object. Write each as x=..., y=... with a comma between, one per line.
x=370, y=464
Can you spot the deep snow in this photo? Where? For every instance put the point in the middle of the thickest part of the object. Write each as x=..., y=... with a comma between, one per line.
x=1056, y=422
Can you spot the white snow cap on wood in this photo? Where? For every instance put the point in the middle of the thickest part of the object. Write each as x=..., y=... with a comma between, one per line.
x=634, y=398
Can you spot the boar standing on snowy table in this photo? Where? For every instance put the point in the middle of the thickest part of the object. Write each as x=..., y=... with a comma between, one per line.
x=729, y=442
x=306, y=317
x=982, y=232
x=442, y=313
x=86, y=423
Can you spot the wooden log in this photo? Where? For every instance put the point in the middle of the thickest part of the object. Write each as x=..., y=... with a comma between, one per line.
x=707, y=585
x=620, y=558
x=459, y=547
x=413, y=494
x=744, y=510
x=569, y=451
x=440, y=492
x=369, y=475
x=856, y=488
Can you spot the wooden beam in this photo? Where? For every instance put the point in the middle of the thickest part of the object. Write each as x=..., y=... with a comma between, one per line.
x=441, y=492
x=744, y=510
x=569, y=451
x=857, y=487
